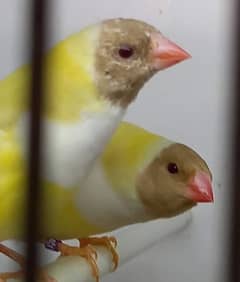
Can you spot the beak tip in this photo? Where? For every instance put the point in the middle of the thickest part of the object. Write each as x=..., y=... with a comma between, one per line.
x=166, y=53
x=188, y=56
x=182, y=55
x=211, y=198
x=200, y=189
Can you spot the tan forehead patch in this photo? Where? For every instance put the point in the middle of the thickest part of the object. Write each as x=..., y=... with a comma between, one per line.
x=128, y=25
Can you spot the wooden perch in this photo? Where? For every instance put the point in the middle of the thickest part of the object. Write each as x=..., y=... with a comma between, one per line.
x=131, y=242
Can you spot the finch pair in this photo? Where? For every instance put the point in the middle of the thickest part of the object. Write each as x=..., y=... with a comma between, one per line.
x=98, y=174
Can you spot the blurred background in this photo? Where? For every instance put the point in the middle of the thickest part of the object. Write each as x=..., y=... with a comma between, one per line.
x=190, y=103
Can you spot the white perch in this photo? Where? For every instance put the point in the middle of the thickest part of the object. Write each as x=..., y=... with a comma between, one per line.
x=131, y=242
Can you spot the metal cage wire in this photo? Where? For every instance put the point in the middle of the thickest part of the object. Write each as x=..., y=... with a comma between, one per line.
x=38, y=38
x=234, y=271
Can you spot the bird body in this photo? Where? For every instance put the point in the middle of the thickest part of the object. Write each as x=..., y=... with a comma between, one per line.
x=108, y=198
x=74, y=114
x=89, y=78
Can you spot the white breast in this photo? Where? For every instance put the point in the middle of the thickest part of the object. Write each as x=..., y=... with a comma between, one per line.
x=98, y=202
x=69, y=150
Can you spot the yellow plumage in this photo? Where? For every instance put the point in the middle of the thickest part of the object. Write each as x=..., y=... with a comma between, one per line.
x=78, y=120
x=70, y=89
x=68, y=71
x=130, y=150
x=89, y=80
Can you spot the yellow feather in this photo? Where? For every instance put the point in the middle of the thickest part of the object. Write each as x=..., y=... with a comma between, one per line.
x=68, y=77
x=129, y=151
x=60, y=217
x=12, y=186
x=70, y=90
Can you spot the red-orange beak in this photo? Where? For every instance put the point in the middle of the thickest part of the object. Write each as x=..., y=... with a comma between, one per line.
x=166, y=53
x=200, y=188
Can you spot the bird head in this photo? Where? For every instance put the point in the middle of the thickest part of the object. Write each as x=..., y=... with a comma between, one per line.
x=127, y=53
x=131, y=52
x=175, y=181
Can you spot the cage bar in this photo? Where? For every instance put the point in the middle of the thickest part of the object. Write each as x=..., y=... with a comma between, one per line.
x=38, y=22
x=235, y=201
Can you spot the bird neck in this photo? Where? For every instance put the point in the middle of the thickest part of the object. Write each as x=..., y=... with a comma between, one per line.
x=121, y=96
x=130, y=150
x=116, y=202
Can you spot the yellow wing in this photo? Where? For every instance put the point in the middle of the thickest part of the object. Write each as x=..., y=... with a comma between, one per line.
x=69, y=88
x=68, y=82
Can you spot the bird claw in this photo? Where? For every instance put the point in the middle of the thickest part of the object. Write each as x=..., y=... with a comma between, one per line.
x=43, y=276
x=87, y=252
x=109, y=242
x=113, y=241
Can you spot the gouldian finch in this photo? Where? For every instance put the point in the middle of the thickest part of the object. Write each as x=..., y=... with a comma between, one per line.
x=140, y=177
x=90, y=78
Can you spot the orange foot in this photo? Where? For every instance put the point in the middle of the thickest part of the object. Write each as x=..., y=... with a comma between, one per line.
x=109, y=242
x=43, y=276
x=86, y=252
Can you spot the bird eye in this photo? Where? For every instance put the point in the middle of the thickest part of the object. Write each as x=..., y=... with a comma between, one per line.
x=125, y=51
x=172, y=168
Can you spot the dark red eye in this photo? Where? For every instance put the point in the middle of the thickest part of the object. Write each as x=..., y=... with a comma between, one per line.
x=125, y=51
x=172, y=168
